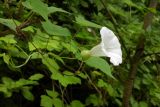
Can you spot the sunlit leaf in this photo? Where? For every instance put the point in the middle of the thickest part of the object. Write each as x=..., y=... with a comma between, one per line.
x=36, y=77
x=8, y=39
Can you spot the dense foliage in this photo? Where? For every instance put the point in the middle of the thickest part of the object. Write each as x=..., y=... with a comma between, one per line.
x=40, y=53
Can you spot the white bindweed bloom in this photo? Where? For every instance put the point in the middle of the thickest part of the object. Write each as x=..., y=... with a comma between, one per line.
x=109, y=47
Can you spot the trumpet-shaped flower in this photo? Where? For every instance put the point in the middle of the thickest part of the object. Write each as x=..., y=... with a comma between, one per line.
x=109, y=47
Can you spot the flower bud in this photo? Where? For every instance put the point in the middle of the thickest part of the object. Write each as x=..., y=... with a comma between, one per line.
x=85, y=54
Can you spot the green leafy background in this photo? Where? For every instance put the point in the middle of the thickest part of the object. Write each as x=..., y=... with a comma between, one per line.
x=40, y=53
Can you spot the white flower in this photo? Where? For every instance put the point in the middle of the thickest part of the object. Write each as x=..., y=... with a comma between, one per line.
x=109, y=47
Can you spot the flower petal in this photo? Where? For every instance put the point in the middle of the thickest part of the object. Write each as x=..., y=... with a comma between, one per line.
x=114, y=54
x=115, y=59
x=109, y=39
x=97, y=51
x=111, y=46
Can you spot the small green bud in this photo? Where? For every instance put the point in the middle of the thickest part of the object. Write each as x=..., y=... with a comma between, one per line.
x=85, y=54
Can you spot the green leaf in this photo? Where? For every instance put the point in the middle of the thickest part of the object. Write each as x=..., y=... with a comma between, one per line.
x=143, y=104
x=46, y=101
x=71, y=47
x=134, y=103
x=108, y=87
x=53, y=29
x=43, y=41
x=153, y=10
x=70, y=78
x=36, y=77
x=57, y=102
x=93, y=99
x=66, y=79
x=22, y=82
x=6, y=58
x=27, y=4
x=77, y=103
x=82, y=75
x=57, y=57
x=99, y=63
x=131, y=3
x=9, y=39
x=27, y=94
x=50, y=63
x=5, y=91
x=7, y=81
x=11, y=23
x=37, y=6
x=118, y=11
x=41, y=8
x=83, y=22
x=52, y=93
x=55, y=9
x=36, y=55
